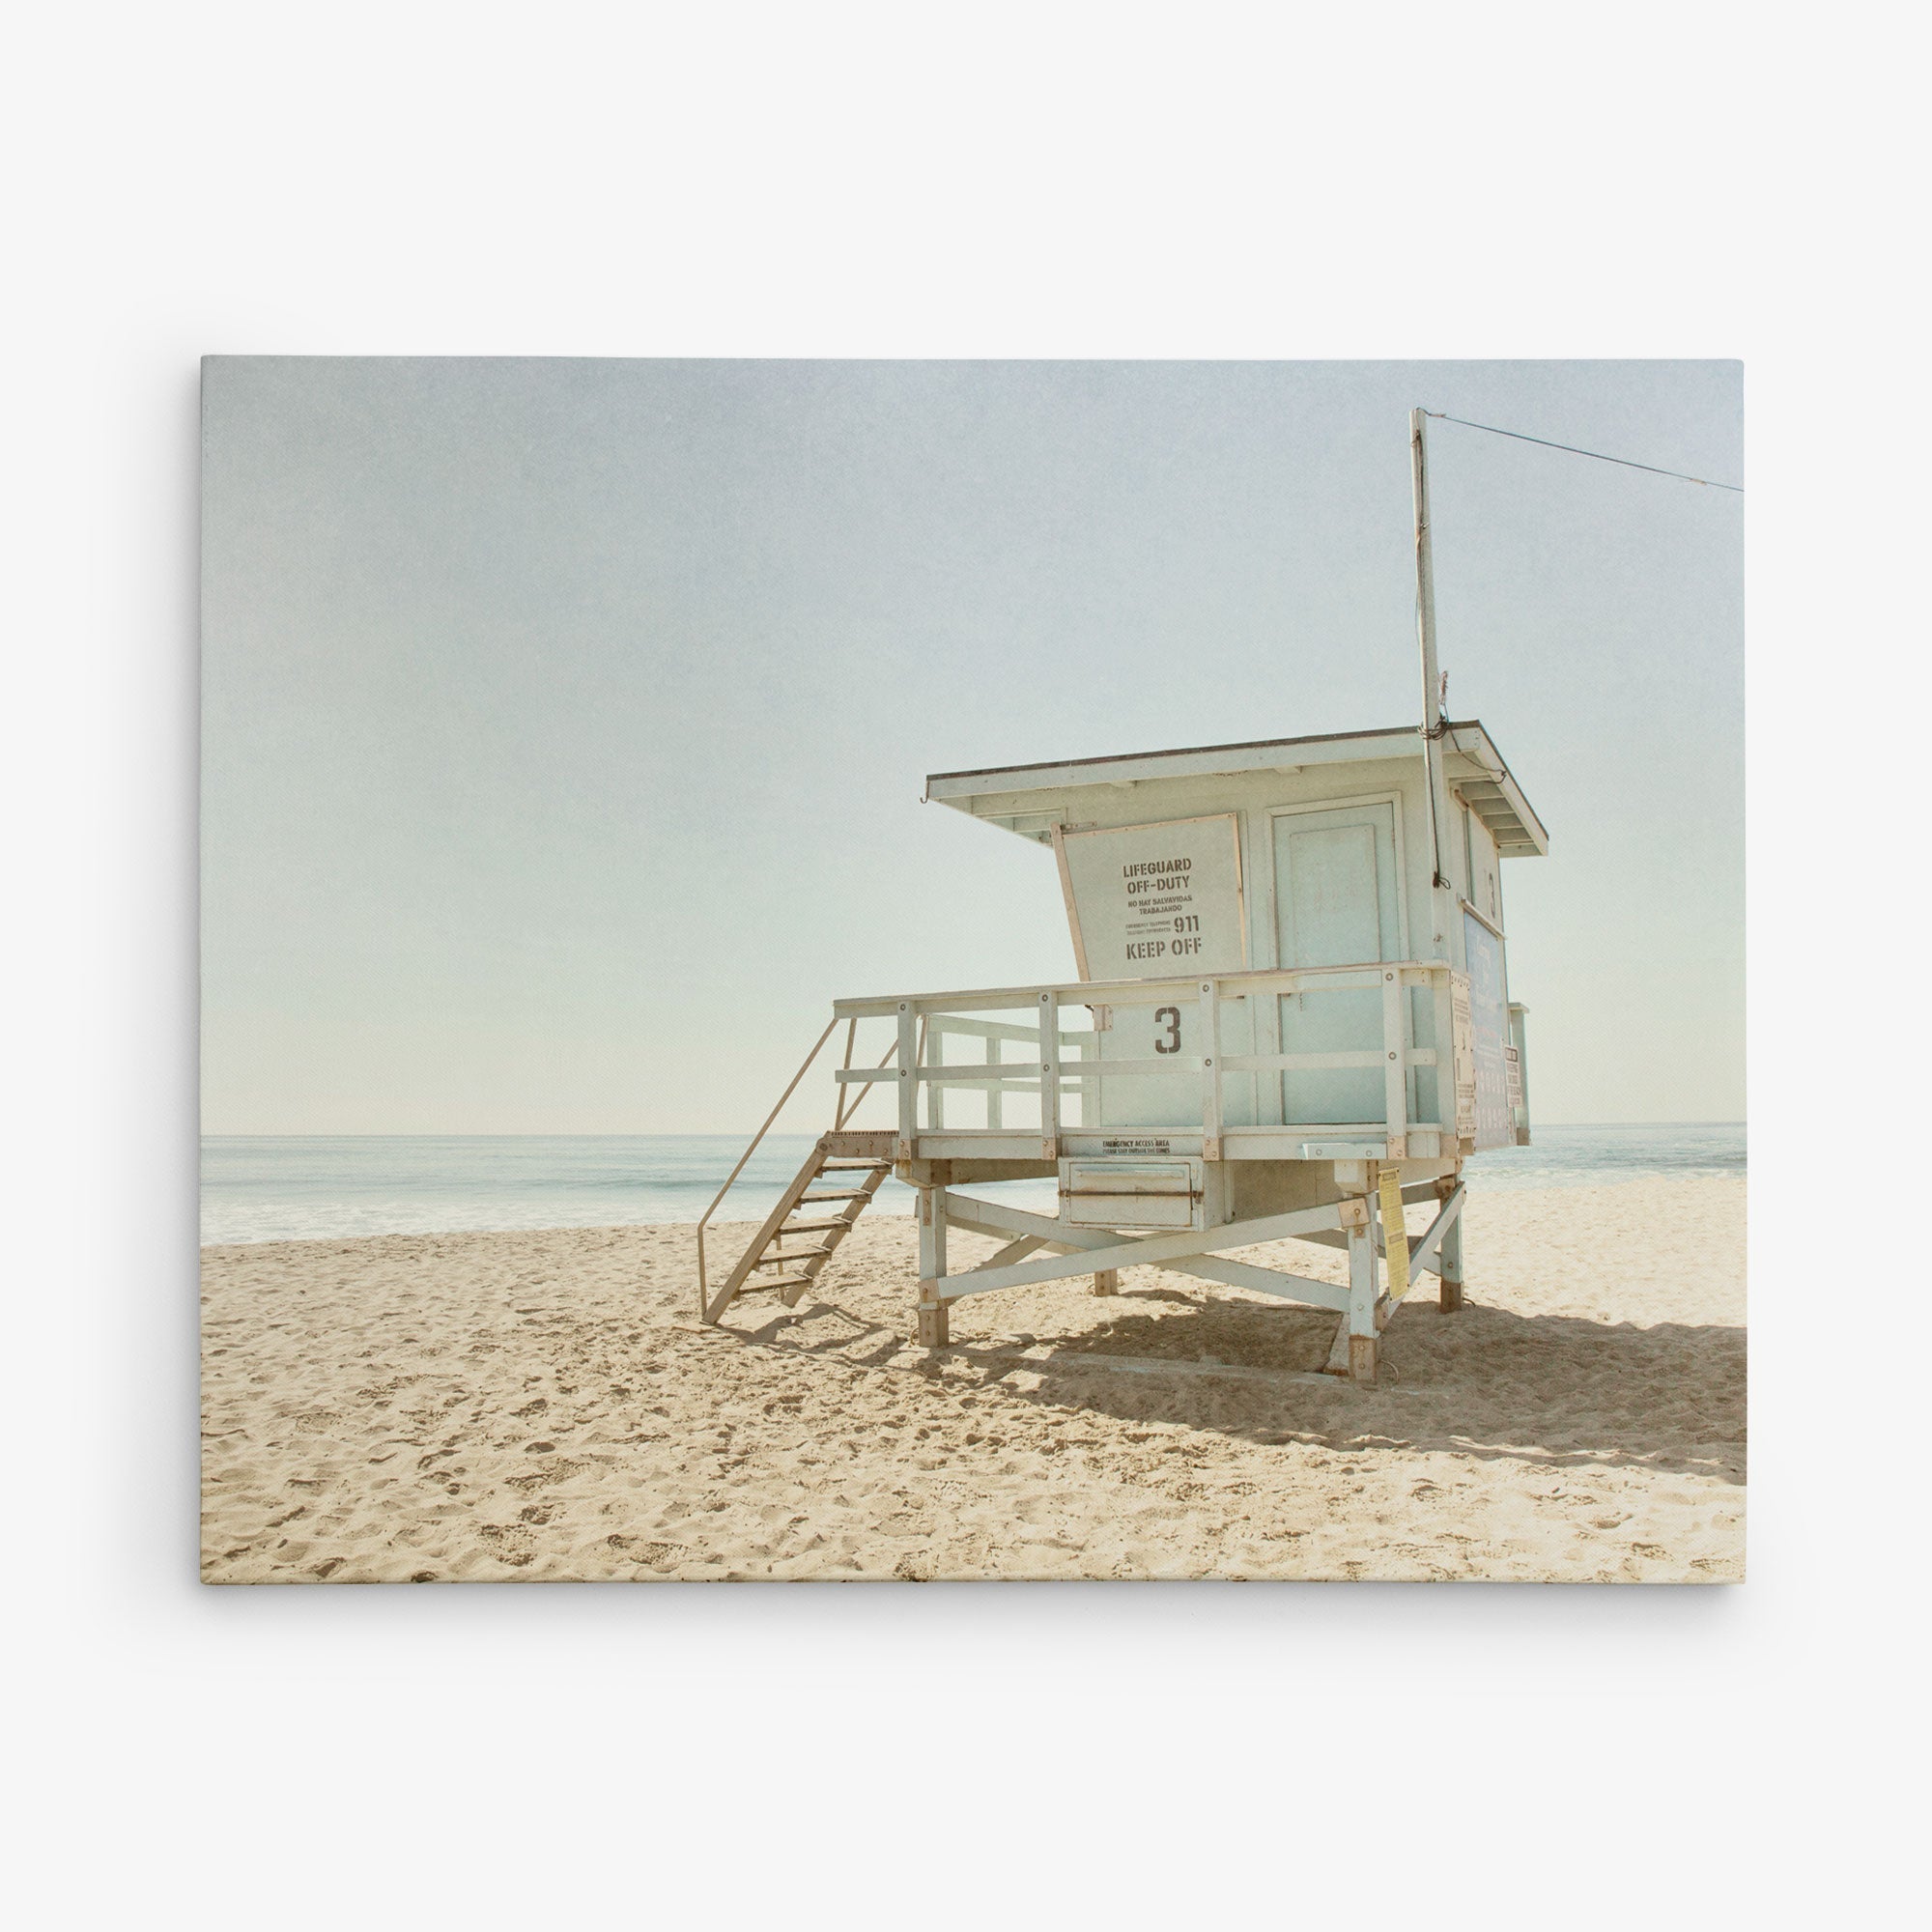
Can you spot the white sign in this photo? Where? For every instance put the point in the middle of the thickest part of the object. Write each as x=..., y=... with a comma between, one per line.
x=1496, y=1126
x=1148, y=901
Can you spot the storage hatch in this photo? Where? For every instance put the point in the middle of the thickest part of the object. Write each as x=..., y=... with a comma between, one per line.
x=1130, y=1194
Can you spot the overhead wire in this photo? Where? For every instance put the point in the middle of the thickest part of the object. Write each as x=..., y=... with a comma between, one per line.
x=1682, y=477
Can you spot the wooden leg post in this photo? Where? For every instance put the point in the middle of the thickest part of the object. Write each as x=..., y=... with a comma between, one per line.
x=1355, y=1339
x=1451, y=1255
x=934, y=1316
x=1107, y=1282
x=1362, y=1288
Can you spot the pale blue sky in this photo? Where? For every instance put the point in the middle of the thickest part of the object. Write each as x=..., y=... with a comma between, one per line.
x=565, y=720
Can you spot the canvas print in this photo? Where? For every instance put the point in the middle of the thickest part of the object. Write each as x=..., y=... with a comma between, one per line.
x=957, y=971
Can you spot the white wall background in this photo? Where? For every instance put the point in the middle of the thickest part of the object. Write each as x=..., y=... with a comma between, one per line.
x=1501, y=182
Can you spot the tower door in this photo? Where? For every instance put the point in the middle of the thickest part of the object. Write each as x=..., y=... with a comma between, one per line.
x=1336, y=904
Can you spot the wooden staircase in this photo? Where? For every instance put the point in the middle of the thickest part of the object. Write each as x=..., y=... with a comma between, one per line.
x=769, y=1266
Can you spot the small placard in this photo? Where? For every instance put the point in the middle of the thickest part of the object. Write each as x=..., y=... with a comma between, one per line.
x=1395, y=1232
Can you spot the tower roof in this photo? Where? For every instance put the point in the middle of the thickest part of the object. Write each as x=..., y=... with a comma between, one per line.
x=1471, y=763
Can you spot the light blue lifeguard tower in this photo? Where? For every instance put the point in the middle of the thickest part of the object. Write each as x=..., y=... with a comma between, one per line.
x=1292, y=1019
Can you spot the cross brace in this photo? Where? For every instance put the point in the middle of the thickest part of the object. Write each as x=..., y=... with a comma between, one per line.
x=1089, y=1250
x=1426, y=1252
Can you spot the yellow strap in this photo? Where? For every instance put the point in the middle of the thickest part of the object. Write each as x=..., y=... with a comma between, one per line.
x=1395, y=1232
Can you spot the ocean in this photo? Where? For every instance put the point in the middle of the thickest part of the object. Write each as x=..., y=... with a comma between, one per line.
x=338, y=1186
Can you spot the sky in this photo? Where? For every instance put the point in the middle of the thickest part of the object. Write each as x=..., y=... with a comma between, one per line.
x=565, y=722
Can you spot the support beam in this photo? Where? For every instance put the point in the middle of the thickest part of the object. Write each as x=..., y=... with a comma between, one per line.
x=1265, y=1281
x=996, y=1218
x=1112, y=1252
x=1355, y=1339
x=1449, y=1265
x=934, y=1326
x=984, y=1218
x=1107, y=1281
x=1425, y=1253
x=1013, y=1251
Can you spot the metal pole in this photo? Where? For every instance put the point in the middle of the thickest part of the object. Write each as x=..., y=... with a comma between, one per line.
x=1425, y=624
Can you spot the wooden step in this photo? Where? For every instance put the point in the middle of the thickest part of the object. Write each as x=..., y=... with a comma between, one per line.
x=813, y=1228
x=795, y=1255
x=766, y=1281
x=848, y=1194
x=854, y=1166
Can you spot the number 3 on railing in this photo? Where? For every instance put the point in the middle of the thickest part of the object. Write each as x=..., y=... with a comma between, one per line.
x=1172, y=1016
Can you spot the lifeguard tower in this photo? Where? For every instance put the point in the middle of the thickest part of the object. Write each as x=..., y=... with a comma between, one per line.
x=1293, y=1020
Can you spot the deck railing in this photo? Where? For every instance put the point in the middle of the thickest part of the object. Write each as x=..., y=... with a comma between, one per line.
x=923, y=1022
x=1071, y=1067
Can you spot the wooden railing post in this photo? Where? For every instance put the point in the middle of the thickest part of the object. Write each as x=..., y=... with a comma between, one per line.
x=1211, y=1071
x=1049, y=1076
x=908, y=1080
x=1395, y=1066
x=995, y=1110
x=1442, y=996
x=846, y=1093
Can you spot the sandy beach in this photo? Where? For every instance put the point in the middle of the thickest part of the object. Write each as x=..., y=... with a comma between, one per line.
x=544, y=1407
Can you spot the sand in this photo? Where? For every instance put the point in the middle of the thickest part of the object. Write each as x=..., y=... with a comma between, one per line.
x=543, y=1406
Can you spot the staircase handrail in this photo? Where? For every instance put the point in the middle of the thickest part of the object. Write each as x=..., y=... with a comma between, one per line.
x=732, y=1177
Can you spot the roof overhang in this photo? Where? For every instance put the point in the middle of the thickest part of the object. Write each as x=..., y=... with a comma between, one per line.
x=1471, y=764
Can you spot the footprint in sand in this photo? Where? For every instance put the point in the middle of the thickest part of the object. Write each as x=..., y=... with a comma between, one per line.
x=658, y=1555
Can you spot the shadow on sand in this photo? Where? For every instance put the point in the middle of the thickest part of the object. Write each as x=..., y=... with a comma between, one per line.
x=1555, y=1390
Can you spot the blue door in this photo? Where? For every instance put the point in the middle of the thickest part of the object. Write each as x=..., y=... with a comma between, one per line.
x=1335, y=898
